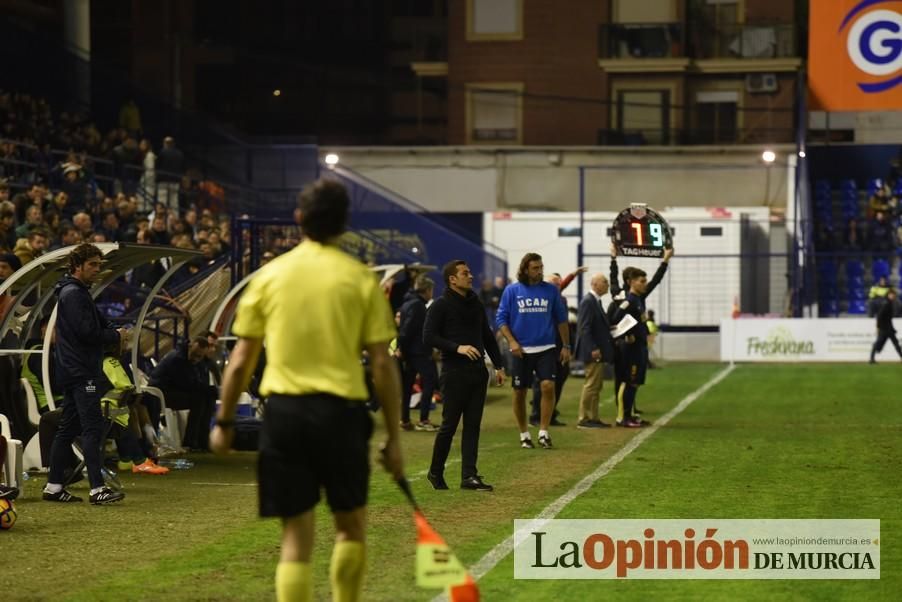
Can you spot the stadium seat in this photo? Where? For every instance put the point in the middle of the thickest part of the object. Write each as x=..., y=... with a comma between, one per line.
x=823, y=204
x=859, y=306
x=880, y=269
x=873, y=185
x=827, y=291
x=848, y=185
x=854, y=283
x=827, y=286
x=850, y=210
x=823, y=213
x=854, y=267
x=31, y=458
x=12, y=466
x=857, y=294
x=828, y=308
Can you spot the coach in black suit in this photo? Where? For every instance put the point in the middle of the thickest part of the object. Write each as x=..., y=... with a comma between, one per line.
x=594, y=347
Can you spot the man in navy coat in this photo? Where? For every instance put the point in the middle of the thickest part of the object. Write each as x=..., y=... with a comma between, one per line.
x=595, y=348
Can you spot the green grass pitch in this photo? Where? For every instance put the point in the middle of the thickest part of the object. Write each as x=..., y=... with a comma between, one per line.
x=770, y=441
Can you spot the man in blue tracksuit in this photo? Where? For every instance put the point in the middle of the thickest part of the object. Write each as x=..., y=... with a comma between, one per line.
x=529, y=312
x=81, y=335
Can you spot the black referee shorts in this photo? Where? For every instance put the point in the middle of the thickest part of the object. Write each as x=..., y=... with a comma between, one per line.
x=631, y=364
x=309, y=443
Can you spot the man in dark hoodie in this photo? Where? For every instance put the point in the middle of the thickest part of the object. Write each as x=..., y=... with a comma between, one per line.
x=456, y=324
x=81, y=335
x=416, y=357
x=183, y=377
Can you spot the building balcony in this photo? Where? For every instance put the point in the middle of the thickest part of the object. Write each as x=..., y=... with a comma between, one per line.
x=672, y=47
x=422, y=46
x=640, y=41
x=694, y=136
x=745, y=48
x=745, y=41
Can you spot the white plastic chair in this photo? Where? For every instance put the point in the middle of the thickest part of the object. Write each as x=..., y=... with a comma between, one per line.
x=31, y=457
x=34, y=410
x=13, y=464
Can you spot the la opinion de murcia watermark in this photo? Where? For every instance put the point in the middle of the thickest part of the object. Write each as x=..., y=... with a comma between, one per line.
x=697, y=549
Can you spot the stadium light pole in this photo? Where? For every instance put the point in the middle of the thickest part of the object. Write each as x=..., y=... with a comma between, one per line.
x=768, y=157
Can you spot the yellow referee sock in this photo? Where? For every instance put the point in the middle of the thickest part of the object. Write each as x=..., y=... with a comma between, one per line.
x=294, y=582
x=346, y=571
x=620, y=392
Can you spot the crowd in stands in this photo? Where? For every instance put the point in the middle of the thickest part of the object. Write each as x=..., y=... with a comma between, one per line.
x=858, y=240
x=62, y=182
x=877, y=228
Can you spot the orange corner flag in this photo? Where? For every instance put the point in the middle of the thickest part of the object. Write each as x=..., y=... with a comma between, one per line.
x=437, y=566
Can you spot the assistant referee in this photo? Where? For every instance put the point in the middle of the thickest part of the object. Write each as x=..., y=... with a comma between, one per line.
x=317, y=308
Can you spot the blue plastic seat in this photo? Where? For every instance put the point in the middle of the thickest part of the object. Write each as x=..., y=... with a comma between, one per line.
x=828, y=309
x=855, y=283
x=849, y=213
x=848, y=185
x=873, y=185
x=827, y=290
x=857, y=294
x=880, y=269
x=854, y=267
x=827, y=277
x=858, y=306
x=827, y=272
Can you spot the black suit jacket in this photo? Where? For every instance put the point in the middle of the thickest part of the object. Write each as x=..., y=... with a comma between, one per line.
x=593, y=331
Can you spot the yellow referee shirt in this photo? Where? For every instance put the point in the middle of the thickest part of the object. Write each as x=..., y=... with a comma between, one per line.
x=316, y=308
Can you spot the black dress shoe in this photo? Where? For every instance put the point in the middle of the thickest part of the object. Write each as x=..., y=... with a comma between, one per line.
x=475, y=483
x=437, y=480
x=556, y=422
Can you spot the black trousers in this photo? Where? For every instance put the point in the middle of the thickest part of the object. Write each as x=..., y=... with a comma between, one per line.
x=201, y=407
x=425, y=367
x=882, y=337
x=463, y=395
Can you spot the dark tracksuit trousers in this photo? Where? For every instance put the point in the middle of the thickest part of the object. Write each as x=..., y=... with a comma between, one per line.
x=201, y=405
x=81, y=415
x=425, y=367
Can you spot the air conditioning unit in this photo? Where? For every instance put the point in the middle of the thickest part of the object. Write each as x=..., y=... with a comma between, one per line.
x=759, y=83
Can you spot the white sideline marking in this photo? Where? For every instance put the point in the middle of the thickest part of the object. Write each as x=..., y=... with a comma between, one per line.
x=500, y=551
